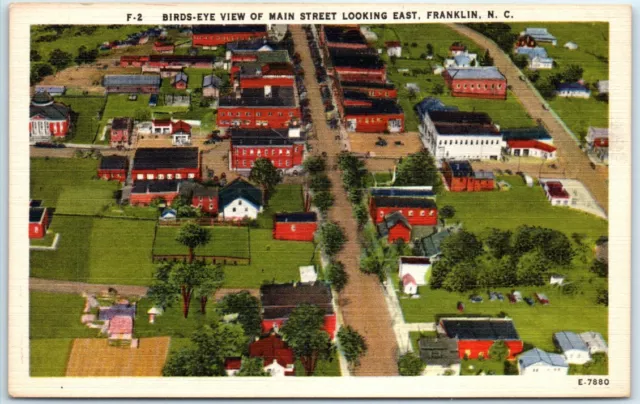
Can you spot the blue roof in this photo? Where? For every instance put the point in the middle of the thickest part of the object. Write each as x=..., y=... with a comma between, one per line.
x=536, y=355
x=117, y=310
x=532, y=52
x=429, y=104
x=400, y=192
x=487, y=72
x=567, y=341
x=169, y=212
x=540, y=34
x=462, y=60
x=573, y=87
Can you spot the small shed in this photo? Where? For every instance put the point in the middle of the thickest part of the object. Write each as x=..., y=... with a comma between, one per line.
x=168, y=214
x=394, y=48
x=308, y=274
x=528, y=180
x=409, y=285
x=556, y=280
x=571, y=45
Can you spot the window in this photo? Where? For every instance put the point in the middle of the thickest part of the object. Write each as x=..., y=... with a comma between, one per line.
x=422, y=213
x=410, y=213
x=191, y=175
x=258, y=114
x=210, y=206
x=293, y=227
x=238, y=114
x=465, y=86
x=234, y=209
x=247, y=113
x=244, y=152
x=240, y=202
x=149, y=176
x=250, y=152
x=457, y=85
x=471, y=86
x=279, y=113
x=280, y=152
x=381, y=213
x=270, y=113
x=288, y=152
x=499, y=86
x=178, y=176
x=160, y=176
x=430, y=213
x=290, y=113
x=246, y=209
x=169, y=176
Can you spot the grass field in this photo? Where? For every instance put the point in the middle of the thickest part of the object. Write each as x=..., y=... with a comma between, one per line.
x=46, y=241
x=172, y=322
x=88, y=111
x=118, y=105
x=328, y=368
x=97, y=250
x=507, y=113
x=225, y=241
x=286, y=198
x=48, y=357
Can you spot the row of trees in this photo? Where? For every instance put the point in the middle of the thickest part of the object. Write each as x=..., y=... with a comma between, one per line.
x=418, y=169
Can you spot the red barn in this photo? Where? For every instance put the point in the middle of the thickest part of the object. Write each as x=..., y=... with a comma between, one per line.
x=476, y=335
x=279, y=300
x=295, y=226
x=460, y=176
x=250, y=108
x=121, y=130
x=216, y=35
x=38, y=220
x=113, y=168
x=395, y=226
x=205, y=198
x=166, y=163
x=143, y=192
x=47, y=118
x=372, y=115
x=418, y=211
x=284, y=147
x=476, y=82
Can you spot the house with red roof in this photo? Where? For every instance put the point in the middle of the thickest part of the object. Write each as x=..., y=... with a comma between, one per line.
x=120, y=330
x=38, y=220
x=409, y=285
x=216, y=35
x=461, y=177
x=531, y=148
x=278, y=357
x=556, y=193
x=121, y=132
x=180, y=133
x=300, y=226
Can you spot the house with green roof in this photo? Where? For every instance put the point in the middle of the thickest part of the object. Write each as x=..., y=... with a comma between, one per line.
x=430, y=245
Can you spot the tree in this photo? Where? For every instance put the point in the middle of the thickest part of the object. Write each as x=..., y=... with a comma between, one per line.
x=533, y=76
x=34, y=56
x=429, y=49
x=212, y=280
x=40, y=71
x=187, y=277
x=374, y=261
x=521, y=61
x=437, y=89
x=183, y=207
x=252, y=367
x=323, y=201
x=304, y=333
x=599, y=268
x=336, y=275
x=602, y=296
x=461, y=278
x=447, y=212
x=461, y=246
x=499, y=351
x=499, y=242
x=155, y=202
x=191, y=235
x=532, y=269
x=86, y=56
x=410, y=364
x=320, y=182
x=266, y=175
x=247, y=307
x=162, y=291
x=315, y=164
x=487, y=60
x=353, y=346
x=353, y=171
x=393, y=59
x=572, y=73
x=332, y=238
x=211, y=344
x=439, y=271
x=361, y=214
x=60, y=59
x=418, y=169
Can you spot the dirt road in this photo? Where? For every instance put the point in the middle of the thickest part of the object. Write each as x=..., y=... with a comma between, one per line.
x=362, y=301
x=574, y=163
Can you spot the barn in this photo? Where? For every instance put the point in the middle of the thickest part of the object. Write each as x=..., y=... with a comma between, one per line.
x=476, y=335
x=131, y=83
x=417, y=211
x=143, y=192
x=166, y=163
x=38, y=220
x=460, y=176
x=216, y=35
x=299, y=226
x=113, y=168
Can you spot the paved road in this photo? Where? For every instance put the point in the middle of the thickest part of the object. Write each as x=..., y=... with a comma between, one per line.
x=573, y=161
x=362, y=301
x=56, y=286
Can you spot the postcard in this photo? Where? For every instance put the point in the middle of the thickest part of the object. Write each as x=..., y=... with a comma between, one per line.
x=319, y=200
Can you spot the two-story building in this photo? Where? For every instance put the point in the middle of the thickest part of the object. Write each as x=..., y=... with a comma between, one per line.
x=113, y=168
x=285, y=148
x=476, y=82
x=47, y=119
x=121, y=132
x=460, y=176
x=166, y=163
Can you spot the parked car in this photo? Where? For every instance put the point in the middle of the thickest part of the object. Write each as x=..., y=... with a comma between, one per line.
x=541, y=298
x=529, y=301
x=512, y=298
x=460, y=307
x=500, y=296
x=381, y=142
x=493, y=296
x=517, y=295
x=476, y=299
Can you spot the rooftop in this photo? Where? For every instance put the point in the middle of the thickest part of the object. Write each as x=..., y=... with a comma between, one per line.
x=535, y=356
x=240, y=188
x=110, y=312
x=298, y=217
x=36, y=214
x=378, y=106
x=264, y=137
x=131, y=80
x=350, y=35
x=361, y=60
x=573, y=87
x=211, y=80
x=365, y=84
x=439, y=351
x=530, y=144
x=156, y=158
x=272, y=348
x=431, y=244
x=416, y=192
x=534, y=133
x=121, y=123
x=390, y=221
x=154, y=187
x=461, y=117
x=255, y=97
x=415, y=260
x=476, y=73
x=480, y=329
x=113, y=162
x=279, y=300
x=567, y=341
x=181, y=59
x=403, y=202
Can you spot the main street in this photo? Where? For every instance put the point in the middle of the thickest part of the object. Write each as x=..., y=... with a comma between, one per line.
x=362, y=301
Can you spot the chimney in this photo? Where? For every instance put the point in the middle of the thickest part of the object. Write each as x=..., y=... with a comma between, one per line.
x=267, y=91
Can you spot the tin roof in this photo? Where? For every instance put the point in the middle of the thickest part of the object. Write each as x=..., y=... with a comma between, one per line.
x=476, y=73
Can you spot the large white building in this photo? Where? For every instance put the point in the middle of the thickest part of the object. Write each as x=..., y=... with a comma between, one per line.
x=456, y=135
x=573, y=348
x=536, y=362
x=417, y=267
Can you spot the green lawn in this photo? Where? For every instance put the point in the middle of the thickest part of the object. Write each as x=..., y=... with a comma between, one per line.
x=507, y=113
x=90, y=200
x=578, y=114
x=46, y=241
x=286, y=198
x=88, y=110
x=478, y=366
x=271, y=260
x=172, y=322
x=118, y=105
x=225, y=241
x=97, y=250
x=329, y=367
x=48, y=357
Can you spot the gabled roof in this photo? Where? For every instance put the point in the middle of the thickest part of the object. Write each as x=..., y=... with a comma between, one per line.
x=568, y=341
x=403, y=202
x=390, y=221
x=164, y=157
x=538, y=51
x=121, y=123
x=121, y=325
x=114, y=162
x=180, y=126
x=180, y=77
x=530, y=144
x=492, y=329
x=211, y=81
x=431, y=244
x=476, y=73
x=439, y=351
x=538, y=356
x=201, y=190
x=594, y=340
x=408, y=279
x=128, y=310
x=36, y=214
x=573, y=87
x=300, y=217
x=279, y=300
x=248, y=45
x=112, y=80
x=272, y=348
x=240, y=188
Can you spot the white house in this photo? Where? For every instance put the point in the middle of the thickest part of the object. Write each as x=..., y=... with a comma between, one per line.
x=537, y=56
x=180, y=133
x=556, y=280
x=239, y=200
x=409, y=285
x=536, y=362
x=573, y=90
x=462, y=60
x=556, y=193
x=595, y=342
x=531, y=148
x=277, y=370
x=161, y=126
x=417, y=267
x=239, y=208
x=394, y=48
x=573, y=348
x=571, y=45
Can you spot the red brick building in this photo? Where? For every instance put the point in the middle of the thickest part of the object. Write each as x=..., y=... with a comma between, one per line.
x=121, y=131
x=371, y=115
x=251, y=108
x=460, y=176
x=113, y=168
x=253, y=75
x=38, y=220
x=279, y=300
x=143, y=192
x=284, y=147
x=47, y=119
x=395, y=226
x=372, y=90
x=476, y=82
x=205, y=199
x=358, y=65
x=295, y=226
x=418, y=211
x=166, y=164
x=216, y=35
x=475, y=336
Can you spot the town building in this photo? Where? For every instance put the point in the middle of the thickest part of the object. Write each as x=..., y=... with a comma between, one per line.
x=166, y=163
x=404, y=192
x=144, y=192
x=538, y=58
x=555, y=192
x=278, y=358
x=440, y=355
x=536, y=362
x=295, y=226
x=572, y=90
x=541, y=35
x=257, y=75
x=417, y=267
x=573, y=348
x=394, y=48
x=277, y=56
x=461, y=177
x=595, y=342
x=475, y=336
x=113, y=168
x=395, y=226
x=373, y=115
x=47, y=119
x=131, y=83
x=279, y=300
x=211, y=86
x=216, y=35
x=285, y=148
x=157, y=63
x=161, y=126
x=239, y=200
x=180, y=81
x=121, y=132
x=372, y=90
x=477, y=82
x=531, y=148
x=54, y=91
x=38, y=220
x=418, y=211
x=251, y=45
x=180, y=133
x=457, y=48
x=358, y=65
x=204, y=198
x=342, y=37
x=163, y=47
x=460, y=135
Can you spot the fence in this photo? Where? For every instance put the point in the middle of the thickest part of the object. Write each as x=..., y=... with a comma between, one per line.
x=203, y=221
x=213, y=259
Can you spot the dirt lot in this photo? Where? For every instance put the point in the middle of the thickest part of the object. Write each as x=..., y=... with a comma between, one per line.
x=94, y=357
x=216, y=158
x=366, y=143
